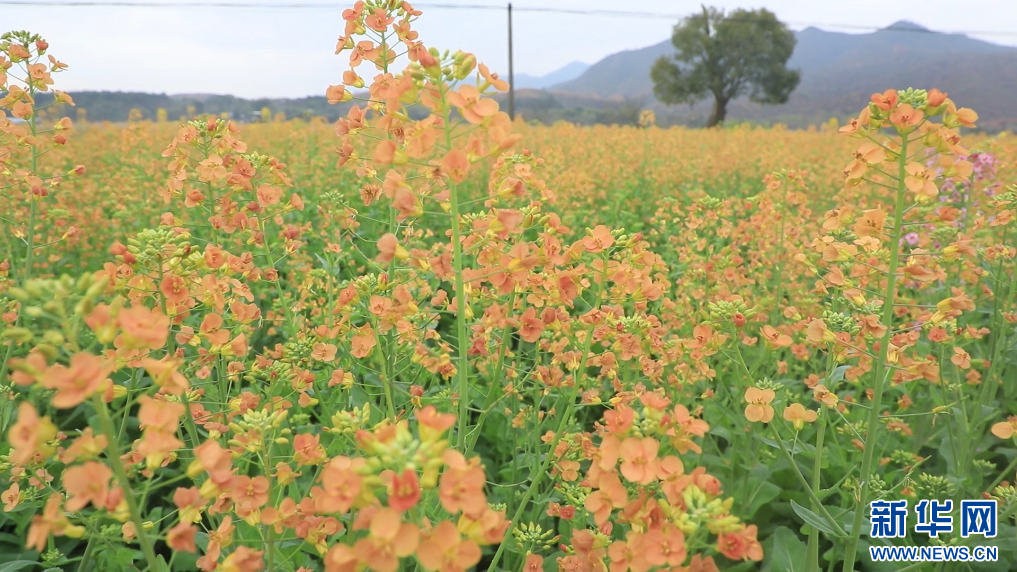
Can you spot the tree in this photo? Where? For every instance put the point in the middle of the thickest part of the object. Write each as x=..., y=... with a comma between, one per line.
x=727, y=56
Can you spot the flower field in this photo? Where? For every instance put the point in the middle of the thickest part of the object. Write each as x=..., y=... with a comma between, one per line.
x=429, y=338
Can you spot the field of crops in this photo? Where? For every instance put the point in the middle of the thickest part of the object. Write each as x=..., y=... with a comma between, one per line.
x=429, y=338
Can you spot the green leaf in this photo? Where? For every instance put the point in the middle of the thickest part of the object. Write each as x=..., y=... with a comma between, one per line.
x=17, y=565
x=125, y=557
x=838, y=374
x=722, y=432
x=789, y=552
x=799, y=446
x=759, y=493
x=814, y=519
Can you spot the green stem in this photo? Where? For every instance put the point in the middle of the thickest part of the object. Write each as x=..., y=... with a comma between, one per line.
x=817, y=481
x=780, y=258
x=805, y=483
x=813, y=561
x=87, y=557
x=462, y=343
x=880, y=372
x=559, y=431
x=1009, y=469
x=113, y=453
x=29, y=241
x=495, y=387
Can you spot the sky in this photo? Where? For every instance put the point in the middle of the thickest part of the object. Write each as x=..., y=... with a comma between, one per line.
x=289, y=52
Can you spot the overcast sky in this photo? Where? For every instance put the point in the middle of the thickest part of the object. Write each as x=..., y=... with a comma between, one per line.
x=272, y=52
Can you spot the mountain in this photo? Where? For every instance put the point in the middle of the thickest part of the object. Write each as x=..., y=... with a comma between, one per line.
x=567, y=73
x=626, y=73
x=116, y=105
x=840, y=71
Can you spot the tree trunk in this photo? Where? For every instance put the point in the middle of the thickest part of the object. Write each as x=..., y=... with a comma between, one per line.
x=718, y=113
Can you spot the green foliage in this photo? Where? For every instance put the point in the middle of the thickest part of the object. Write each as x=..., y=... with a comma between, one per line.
x=727, y=56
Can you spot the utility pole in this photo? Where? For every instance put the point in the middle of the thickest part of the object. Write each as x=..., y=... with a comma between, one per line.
x=511, y=78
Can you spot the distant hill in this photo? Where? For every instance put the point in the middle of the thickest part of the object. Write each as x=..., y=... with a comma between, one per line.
x=116, y=105
x=566, y=73
x=625, y=73
x=840, y=71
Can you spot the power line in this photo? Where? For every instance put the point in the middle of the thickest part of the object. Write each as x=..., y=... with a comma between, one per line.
x=533, y=9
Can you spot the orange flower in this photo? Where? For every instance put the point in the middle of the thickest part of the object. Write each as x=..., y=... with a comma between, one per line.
x=493, y=79
x=307, y=450
x=268, y=195
x=210, y=457
x=962, y=116
x=86, y=375
x=249, y=493
x=741, y=545
x=181, y=537
x=403, y=490
x=87, y=483
x=774, y=338
x=211, y=328
x=462, y=485
x=30, y=436
x=935, y=98
x=217, y=540
x=799, y=415
x=759, y=408
x=961, y=358
x=51, y=521
x=159, y=422
x=639, y=459
x=700, y=564
x=870, y=223
x=628, y=554
x=906, y=116
x=433, y=424
x=389, y=248
x=390, y=539
x=143, y=327
x=340, y=558
x=611, y=495
x=363, y=342
x=823, y=395
x=341, y=485
x=189, y=503
x=919, y=181
x=485, y=529
x=886, y=100
x=456, y=165
x=599, y=239
x=378, y=20
x=337, y=94
x=1005, y=429
x=11, y=497
x=444, y=550
x=665, y=546
x=243, y=559
x=472, y=105
x=323, y=352
x=870, y=153
x=174, y=288
x=165, y=375
x=530, y=325
x=818, y=333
